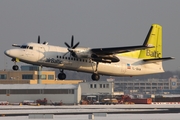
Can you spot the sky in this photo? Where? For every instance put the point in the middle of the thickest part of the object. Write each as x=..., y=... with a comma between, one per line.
x=94, y=23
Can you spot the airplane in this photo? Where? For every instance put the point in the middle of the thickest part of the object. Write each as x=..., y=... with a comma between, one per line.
x=115, y=61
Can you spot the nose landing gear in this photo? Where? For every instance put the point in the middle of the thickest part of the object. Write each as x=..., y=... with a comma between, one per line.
x=15, y=67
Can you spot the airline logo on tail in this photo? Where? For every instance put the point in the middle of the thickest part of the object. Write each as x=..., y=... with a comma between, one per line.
x=154, y=53
x=153, y=38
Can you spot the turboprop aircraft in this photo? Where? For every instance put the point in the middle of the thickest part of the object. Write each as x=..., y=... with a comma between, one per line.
x=115, y=61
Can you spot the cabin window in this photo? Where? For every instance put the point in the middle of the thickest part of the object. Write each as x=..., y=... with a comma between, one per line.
x=57, y=56
x=24, y=46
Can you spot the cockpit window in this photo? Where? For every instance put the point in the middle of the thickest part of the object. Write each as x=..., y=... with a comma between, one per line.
x=26, y=47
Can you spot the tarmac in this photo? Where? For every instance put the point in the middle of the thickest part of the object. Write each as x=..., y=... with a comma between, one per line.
x=8, y=110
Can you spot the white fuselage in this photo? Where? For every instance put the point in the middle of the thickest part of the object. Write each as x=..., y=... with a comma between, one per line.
x=53, y=56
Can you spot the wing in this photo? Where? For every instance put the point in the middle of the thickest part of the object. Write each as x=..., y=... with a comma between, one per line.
x=116, y=50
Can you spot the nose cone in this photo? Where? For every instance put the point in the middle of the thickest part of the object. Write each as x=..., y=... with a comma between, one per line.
x=7, y=52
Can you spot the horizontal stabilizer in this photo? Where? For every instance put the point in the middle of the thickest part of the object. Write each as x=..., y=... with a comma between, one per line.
x=158, y=59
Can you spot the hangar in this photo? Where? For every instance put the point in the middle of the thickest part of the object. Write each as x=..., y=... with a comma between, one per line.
x=15, y=93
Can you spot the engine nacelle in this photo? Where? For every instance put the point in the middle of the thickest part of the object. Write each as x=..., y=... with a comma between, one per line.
x=105, y=58
x=101, y=60
x=82, y=53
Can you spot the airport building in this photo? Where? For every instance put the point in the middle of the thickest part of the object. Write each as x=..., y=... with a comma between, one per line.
x=147, y=86
x=16, y=93
x=31, y=75
x=98, y=90
x=31, y=84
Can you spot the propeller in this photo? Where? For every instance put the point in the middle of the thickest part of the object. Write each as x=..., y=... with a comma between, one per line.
x=45, y=43
x=38, y=39
x=70, y=48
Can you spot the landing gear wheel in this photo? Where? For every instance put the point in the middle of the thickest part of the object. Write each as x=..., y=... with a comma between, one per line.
x=95, y=77
x=62, y=76
x=15, y=67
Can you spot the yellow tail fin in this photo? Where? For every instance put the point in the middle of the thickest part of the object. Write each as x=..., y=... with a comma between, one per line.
x=154, y=38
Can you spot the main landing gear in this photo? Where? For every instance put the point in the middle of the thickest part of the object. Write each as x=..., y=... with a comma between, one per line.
x=95, y=76
x=61, y=75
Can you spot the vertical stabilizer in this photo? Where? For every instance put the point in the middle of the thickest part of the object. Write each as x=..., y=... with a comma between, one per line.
x=154, y=38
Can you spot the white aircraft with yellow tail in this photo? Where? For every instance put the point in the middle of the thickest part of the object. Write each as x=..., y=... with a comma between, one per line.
x=116, y=61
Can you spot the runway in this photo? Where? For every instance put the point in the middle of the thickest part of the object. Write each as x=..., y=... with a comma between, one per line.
x=89, y=109
x=170, y=116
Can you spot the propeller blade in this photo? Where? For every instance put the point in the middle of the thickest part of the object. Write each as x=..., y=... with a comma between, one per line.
x=65, y=53
x=75, y=45
x=67, y=45
x=38, y=38
x=70, y=48
x=72, y=41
